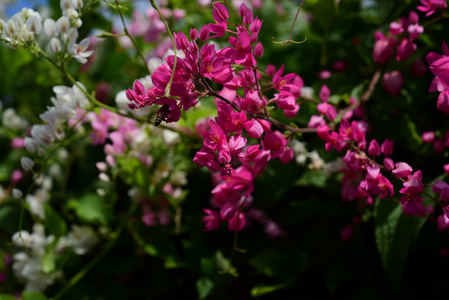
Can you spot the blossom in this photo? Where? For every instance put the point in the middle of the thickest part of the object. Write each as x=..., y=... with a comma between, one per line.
x=431, y=6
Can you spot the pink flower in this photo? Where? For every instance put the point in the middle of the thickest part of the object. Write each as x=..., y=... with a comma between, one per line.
x=443, y=102
x=237, y=222
x=383, y=49
x=211, y=220
x=393, y=82
x=431, y=6
x=402, y=170
x=428, y=137
x=374, y=148
x=405, y=49
x=387, y=147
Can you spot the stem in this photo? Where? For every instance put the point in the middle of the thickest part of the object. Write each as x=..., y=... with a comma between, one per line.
x=131, y=38
x=168, y=87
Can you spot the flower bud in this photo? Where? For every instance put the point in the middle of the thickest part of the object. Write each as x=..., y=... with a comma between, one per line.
x=26, y=163
x=258, y=50
x=50, y=28
x=393, y=82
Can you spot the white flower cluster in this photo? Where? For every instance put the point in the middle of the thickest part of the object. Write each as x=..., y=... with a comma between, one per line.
x=67, y=103
x=11, y=120
x=21, y=28
x=28, y=265
x=302, y=154
x=62, y=34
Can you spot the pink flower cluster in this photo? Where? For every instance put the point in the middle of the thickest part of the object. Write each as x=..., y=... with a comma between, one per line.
x=439, y=66
x=363, y=176
x=431, y=6
x=400, y=38
x=227, y=150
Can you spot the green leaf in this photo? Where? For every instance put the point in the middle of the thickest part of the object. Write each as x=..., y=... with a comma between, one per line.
x=48, y=259
x=204, y=287
x=395, y=233
x=90, y=208
x=7, y=297
x=312, y=178
x=31, y=295
x=54, y=223
x=267, y=289
x=280, y=264
x=135, y=173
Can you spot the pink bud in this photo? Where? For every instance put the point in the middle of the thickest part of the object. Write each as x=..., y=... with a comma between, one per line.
x=388, y=163
x=270, y=70
x=138, y=87
x=254, y=129
x=286, y=155
x=237, y=222
x=383, y=50
x=204, y=33
x=227, y=211
x=193, y=34
x=324, y=93
x=446, y=169
x=387, y=147
x=347, y=233
x=316, y=121
x=212, y=220
x=392, y=82
x=258, y=50
x=443, y=102
x=428, y=137
x=405, y=49
x=16, y=176
x=396, y=28
x=413, y=17
x=18, y=143
x=443, y=222
x=374, y=148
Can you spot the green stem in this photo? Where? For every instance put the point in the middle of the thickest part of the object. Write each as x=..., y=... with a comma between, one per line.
x=170, y=34
x=130, y=37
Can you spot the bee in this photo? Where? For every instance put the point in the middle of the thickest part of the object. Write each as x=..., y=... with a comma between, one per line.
x=162, y=114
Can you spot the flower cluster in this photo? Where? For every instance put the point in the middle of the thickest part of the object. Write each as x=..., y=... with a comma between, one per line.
x=226, y=148
x=400, y=38
x=61, y=35
x=440, y=68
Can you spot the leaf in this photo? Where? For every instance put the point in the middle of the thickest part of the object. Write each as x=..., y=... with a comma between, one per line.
x=48, y=259
x=7, y=297
x=263, y=289
x=54, y=223
x=280, y=264
x=135, y=173
x=32, y=295
x=312, y=178
x=204, y=287
x=395, y=233
x=90, y=208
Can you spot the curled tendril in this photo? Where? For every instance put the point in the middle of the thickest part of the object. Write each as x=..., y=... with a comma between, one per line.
x=291, y=31
x=288, y=41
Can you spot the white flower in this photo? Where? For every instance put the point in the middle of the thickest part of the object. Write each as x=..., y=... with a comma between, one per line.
x=50, y=28
x=77, y=3
x=82, y=239
x=26, y=163
x=34, y=24
x=36, y=205
x=17, y=194
x=170, y=137
x=55, y=45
